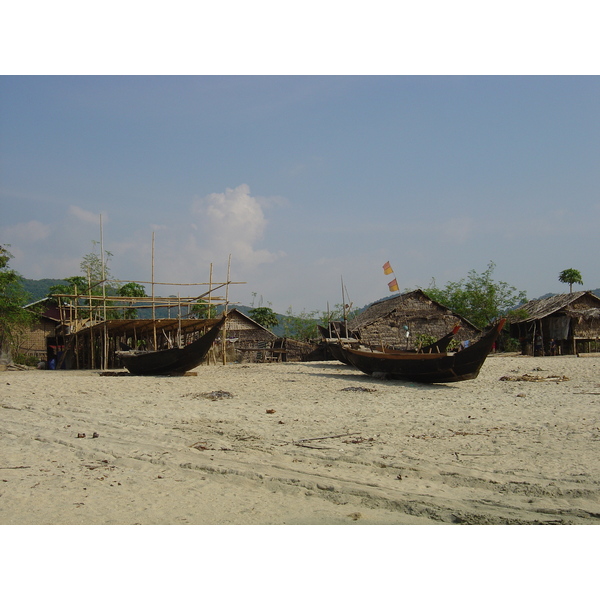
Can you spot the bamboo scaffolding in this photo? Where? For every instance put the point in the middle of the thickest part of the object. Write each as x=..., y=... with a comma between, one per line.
x=102, y=339
x=99, y=306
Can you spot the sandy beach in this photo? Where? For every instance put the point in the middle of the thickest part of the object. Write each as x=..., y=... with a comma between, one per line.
x=303, y=443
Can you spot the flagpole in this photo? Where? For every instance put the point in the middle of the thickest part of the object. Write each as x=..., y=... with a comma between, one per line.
x=387, y=270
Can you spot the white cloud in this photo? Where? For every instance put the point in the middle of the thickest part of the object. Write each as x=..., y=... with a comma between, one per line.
x=233, y=223
x=31, y=232
x=87, y=216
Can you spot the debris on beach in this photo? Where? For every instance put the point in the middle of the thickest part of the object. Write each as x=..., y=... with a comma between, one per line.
x=200, y=446
x=114, y=374
x=528, y=377
x=358, y=389
x=358, y=440
x=302, y=442
x=216, y=395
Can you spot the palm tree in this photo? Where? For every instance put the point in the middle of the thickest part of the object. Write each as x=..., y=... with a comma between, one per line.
x=570, y=276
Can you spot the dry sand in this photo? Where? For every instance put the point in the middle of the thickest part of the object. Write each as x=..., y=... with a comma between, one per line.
x=302, y=443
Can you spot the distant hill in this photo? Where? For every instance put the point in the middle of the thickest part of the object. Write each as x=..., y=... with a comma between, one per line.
x=38, y=288
x=596, y=292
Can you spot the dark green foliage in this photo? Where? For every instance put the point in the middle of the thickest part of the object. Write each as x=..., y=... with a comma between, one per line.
x=203, y=310
x=131, y=290
x=14, y=319
x=38, y=289
x=570, y=276
x=303, y=326
x=264, y=316
x=479, y=299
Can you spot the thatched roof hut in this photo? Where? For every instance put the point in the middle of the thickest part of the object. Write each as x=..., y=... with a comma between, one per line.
x=561, y=324
x=388, y=321
x=250, y=340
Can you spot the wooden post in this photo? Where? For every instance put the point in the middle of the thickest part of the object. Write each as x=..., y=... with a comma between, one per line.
x=91, y=321
x=153, y=301
x=104, y=363
x=76, y=302
x=179, y=321
x=224, y=328
x=211, y=353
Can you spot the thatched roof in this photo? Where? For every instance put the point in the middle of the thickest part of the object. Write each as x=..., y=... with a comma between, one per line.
x=415, y=304
x=235, y=317
x=539, y=309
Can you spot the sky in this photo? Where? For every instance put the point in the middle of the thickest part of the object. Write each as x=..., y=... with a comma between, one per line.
x=303, y=179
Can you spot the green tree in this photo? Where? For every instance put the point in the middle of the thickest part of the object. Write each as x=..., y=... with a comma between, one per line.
x=14, y=319
x=72, y=284
x=95, y=268
x=302, y=326
x=203, y=310
x=131, y=290
x=94, y=282
x=479, y=299
x=570, y=276
x=264, y=316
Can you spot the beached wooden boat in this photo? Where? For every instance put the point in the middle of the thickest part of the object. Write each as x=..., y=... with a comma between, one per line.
x=431, y=367
x=336, y=347
x=335, y=334
x=440, y=346
x=172, y=360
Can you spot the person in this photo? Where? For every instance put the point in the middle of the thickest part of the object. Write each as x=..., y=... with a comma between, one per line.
x=538, y=345
x=553, y=347
x=523, y=342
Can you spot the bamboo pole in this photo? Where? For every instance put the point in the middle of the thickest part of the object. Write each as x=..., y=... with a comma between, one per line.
x=179, y=324
x=76, y=303
x=211, y=353
x=153, y=307
x=224, y=328
x=91, y=321
x=104, y=365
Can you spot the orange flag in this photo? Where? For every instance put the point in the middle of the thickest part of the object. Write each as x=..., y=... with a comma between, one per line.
x=393, y=285
x=387, y=269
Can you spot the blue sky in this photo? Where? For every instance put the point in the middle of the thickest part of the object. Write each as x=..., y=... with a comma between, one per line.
x=304, y=180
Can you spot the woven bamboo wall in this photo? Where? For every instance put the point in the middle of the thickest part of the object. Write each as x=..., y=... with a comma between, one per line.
x=33, y=343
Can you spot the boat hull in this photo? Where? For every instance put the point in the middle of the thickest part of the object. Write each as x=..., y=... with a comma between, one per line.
x=173, y=360
x=426, y=368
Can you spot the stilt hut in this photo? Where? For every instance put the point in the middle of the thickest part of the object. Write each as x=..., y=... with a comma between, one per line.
x=561, y=324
